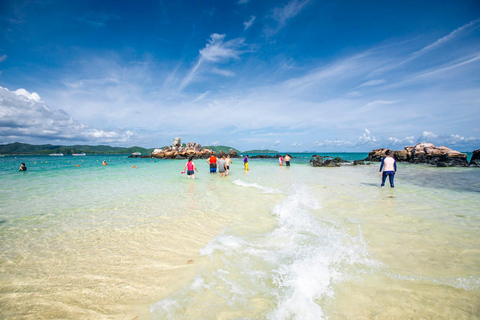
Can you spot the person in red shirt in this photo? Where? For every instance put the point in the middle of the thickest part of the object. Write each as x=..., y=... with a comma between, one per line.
x=212, y=161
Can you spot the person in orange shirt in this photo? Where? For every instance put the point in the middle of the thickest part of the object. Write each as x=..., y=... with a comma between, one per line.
x=212, y=161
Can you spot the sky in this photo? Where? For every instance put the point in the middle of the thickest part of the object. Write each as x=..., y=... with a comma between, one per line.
x=287, y=75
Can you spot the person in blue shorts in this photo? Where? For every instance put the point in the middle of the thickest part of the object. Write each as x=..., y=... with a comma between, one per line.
x=212, y=161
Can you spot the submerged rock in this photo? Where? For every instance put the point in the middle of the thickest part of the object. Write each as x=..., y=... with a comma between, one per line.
x=319, y=161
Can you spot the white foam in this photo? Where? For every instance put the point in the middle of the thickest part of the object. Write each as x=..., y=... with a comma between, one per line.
x=264, y=189
x=293, y=266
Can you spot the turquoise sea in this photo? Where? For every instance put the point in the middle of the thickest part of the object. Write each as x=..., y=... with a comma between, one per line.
x=139, y=240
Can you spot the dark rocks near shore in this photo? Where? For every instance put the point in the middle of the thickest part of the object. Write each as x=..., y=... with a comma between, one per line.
x=326, y=161
x=424, y=153
x=475, y=161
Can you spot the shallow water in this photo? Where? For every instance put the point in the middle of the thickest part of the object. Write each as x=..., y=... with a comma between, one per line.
x=104, y=242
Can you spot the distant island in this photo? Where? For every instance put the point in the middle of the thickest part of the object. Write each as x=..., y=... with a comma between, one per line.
x=260, y=151
x=18, y=148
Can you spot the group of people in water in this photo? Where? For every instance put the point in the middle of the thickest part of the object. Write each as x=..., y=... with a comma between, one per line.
x=223, y=165
x=388, y=167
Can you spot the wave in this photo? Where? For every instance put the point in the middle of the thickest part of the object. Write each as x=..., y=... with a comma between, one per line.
x=280, y=274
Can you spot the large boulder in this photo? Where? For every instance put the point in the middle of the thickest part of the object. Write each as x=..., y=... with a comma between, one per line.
x=377, y=154
x=319, y=161
x=424, y=153
x=232, y=153
x=475, y=161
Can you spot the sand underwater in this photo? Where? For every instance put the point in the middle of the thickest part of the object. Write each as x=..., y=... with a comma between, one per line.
x=117, y=242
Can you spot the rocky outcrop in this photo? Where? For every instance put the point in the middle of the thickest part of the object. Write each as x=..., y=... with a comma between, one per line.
x=423, y=153
x=475, y=161
x=326, y=161
x=191, y=149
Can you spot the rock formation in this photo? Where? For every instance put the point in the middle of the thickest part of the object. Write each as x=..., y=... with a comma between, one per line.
x=319, y=161
x=475, y=161
x=191, y=149
x=424, y=153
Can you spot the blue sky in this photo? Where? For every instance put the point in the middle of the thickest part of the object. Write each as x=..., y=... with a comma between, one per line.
x=291, y=75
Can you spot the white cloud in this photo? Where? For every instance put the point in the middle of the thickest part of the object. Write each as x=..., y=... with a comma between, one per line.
x=367, y=137
x=428, y=135
x=248, y=24
x=23, y=117
x=28, y=95
x=3, y=57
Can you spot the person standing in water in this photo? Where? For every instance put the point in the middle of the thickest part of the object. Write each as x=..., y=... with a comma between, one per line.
x=190, y=166
x=221, y=167
x=228, y=161
x=280, y=161
x=389, y=166
x=22, y=167
x=287, y=160
x=245, y=162
x=212, y=161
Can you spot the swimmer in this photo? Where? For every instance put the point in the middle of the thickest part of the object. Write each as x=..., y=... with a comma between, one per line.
x=22, y=167
x=190, y=166
x=104, y=163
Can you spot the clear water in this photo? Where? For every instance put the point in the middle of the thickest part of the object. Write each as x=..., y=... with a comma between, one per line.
x=103, y=242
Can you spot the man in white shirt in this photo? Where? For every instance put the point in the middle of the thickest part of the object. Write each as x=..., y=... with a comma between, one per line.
x=389, y=166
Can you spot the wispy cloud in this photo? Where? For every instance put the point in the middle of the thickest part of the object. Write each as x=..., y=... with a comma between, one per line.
x=432, y=46
x=3, y=57
x=216, y=51
x=283, y=14
x=201, y=97
x=449, y=37
x=222, y=72
x=371, y=83
x=249, y=23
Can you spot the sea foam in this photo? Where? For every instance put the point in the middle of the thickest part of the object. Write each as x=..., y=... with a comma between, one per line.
x=292, y=267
